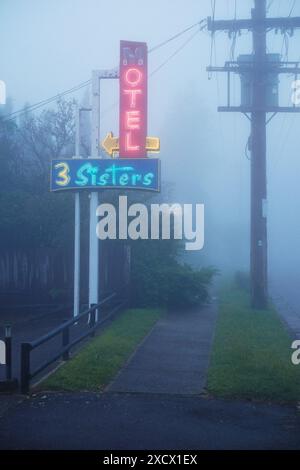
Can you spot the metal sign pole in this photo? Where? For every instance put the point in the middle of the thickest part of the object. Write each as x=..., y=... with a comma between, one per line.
x=94, y=244
x=77, y=225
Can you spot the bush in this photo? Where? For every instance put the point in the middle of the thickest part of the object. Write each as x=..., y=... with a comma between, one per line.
x=158, y=280
x=186, y=287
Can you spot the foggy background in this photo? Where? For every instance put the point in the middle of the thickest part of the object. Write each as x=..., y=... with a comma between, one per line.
x=48, y=46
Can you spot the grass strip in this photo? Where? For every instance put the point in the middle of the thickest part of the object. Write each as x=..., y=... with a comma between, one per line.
x=251, y=356
x=99, y=361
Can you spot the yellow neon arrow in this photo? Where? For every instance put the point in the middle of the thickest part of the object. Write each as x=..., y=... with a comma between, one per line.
x=110, y=143
x=153, y=144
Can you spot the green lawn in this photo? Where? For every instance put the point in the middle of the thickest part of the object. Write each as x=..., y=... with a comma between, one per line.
x=99, y=361
x=251, y=356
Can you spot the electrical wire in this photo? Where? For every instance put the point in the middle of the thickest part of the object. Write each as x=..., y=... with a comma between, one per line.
x=269, y=5
x=292, y=9
x=54, y=98
x=285, y=40
x=220, y=118
x=42, y=103
x=247, y=148
x=213, y=8
x=285, y=46
x=158, y=46
x=233, y=45
x=174, y=54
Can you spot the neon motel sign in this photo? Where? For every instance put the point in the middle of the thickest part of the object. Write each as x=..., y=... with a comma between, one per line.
x=133, y=169
x=133, y=99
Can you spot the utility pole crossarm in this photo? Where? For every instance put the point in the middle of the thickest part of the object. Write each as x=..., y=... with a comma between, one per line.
x=238, y=68
x=281, y=24
x=266, y=109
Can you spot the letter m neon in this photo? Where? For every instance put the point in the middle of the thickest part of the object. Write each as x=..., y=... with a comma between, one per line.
x=132, y=56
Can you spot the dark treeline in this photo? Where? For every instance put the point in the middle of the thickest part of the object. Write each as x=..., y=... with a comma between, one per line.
x=36, y=227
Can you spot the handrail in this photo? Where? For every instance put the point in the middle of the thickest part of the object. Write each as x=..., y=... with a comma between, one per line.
x=27, y=347
x=66, y=349
x=35, y=343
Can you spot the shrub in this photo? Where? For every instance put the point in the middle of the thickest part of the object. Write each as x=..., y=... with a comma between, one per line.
x=187, y=287
x=158, y=280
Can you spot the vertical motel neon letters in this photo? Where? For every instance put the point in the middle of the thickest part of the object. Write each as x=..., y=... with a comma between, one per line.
x=133, y=99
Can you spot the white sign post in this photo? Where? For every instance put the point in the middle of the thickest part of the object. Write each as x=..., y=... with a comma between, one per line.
x=97, y=75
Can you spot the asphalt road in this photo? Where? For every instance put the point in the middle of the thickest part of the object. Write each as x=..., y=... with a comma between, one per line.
x=114, y=421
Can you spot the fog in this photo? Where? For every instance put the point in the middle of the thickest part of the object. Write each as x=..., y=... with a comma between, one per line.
x=48, y=46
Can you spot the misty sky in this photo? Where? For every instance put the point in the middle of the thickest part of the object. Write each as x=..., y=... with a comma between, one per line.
x=48, y=46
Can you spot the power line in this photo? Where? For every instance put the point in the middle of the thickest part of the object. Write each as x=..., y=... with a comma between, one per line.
x=42, y=103
x=213, y=13
x=199, y=23
x=269, y=5
x=292, y=9
x=174, y=54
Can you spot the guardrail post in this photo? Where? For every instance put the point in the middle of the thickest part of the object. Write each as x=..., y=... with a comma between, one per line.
x=65, y=342
x=92, y=318
x=8, y=352
x=25, y=367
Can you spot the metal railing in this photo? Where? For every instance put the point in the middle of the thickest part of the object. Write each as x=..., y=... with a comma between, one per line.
x=26, y=374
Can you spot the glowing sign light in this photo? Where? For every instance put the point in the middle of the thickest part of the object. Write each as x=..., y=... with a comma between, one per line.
x=98, y=174
x=133, y=99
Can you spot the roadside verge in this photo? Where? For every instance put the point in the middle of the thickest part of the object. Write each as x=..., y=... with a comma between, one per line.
x=99, y=361
x=251, y=356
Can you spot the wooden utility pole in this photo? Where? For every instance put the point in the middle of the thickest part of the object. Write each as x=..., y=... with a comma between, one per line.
x=259, y=69
x=259, y=240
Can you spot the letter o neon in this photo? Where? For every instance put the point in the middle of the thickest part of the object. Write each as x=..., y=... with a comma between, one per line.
x=136, y=79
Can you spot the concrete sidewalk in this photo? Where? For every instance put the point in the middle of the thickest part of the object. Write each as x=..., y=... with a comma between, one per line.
x=289, y=316
x=287, y=305
x=174, y=357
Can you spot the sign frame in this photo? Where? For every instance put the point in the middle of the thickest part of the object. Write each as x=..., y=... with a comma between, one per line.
x=148, y=161
x=133, y=110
